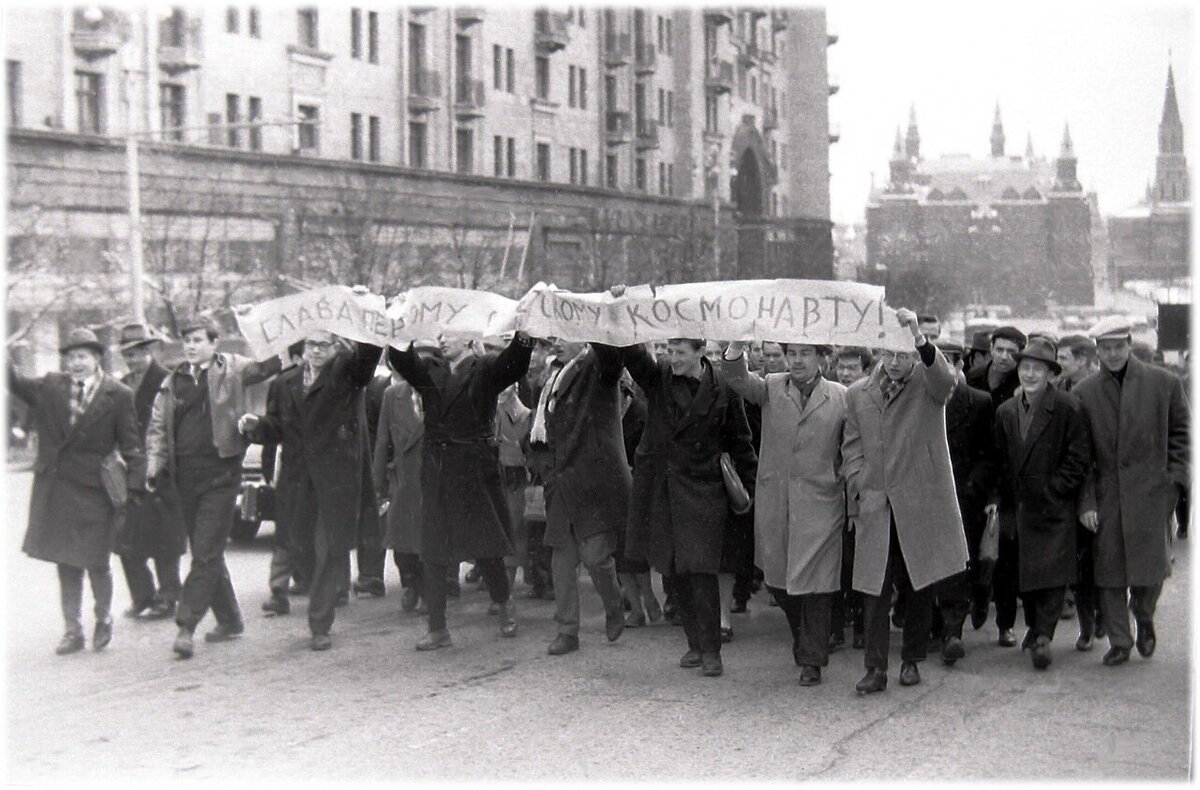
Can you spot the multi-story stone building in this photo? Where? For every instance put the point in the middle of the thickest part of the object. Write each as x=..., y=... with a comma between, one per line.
x=1152, y=241
x=954, y=231
x=479, y=147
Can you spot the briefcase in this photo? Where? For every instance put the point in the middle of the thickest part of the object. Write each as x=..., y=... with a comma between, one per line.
x=740, y=500
x=989, y=548
x=113, y=475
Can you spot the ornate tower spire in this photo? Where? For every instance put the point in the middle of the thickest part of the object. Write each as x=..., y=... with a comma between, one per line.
x=1065, y=166
x=1029, y=146
x=912, y=140
x=1170, y=172
x=900, y=166
x=997, y=133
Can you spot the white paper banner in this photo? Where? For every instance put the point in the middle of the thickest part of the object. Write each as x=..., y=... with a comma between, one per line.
x=430, y=312
x=270, y=327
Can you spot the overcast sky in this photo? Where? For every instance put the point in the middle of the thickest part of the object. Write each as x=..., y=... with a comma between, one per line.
x=1100, y=66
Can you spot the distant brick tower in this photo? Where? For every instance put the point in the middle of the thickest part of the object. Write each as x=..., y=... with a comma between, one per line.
x=1065, y=166
x=1170, y=172
x=997, y=134
x=912, y=140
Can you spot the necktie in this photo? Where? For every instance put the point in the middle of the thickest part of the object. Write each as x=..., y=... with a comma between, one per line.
x=76, y=401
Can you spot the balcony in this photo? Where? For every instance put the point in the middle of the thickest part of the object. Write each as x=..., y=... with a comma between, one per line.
x=617, y=50
x=835, y=84
x=749, y=53
x=757, y=12
x=831, y=36
x=424, y=90
x=647, y=134
x=550, y=31
x=174, y=60
x=779, y=21
x=469, y=98
x=617, y=127
x=95, y=38
x=718, y=75
x=835, y=133
x=719, y=15
x=646, y=59
x=770, y=119
x=466, y=16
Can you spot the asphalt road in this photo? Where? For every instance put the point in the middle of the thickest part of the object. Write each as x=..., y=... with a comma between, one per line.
x=266, y=707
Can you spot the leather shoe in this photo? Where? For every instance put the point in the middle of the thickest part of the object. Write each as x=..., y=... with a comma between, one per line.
x=1146, y=641
x=875, y=680
x=614, y=624
x=321, y=642
x=276, y=605
x=859, y=642
x=1007, y=638
x=473, y=575
x=739, y=607
x=1083, y=643
x=434, y=639
x=1068, y=610
x=409, y=598
x=712, y=666
x=183, y=643
x=690, y=660
x=161, y=610
x=978, y=618
x=1115, y=656
x=952, y=650
x=909, y=676
x=635, y=620
x=726, y=635
x=223, y=632
x=103, y=634
x=508, y=618
x=71, y=643
x=810, y=676
x=369, y=587
x=1029, y=640
x=1040, y=655
x=563, y=644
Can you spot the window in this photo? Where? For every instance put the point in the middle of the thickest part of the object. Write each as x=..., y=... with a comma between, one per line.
x=667, y=48
x=171, y=30
x=662, y=178
x=639, y=174
x=356, y=135
x=639, y=107
x=171, y=103
x=356, y=34
x=233, y=115
x=610, y=92
x=254, y=114
x=214, y=128
x=308, y=132
x=416, y=144
x=510, y=66
x=464, y=150
x=571, y=87
x=231, y=19
x=660, y=33
x=252, y=22
x=14, y=92
x=610, y=171
x=416, y=58
x=670, y=108
x=711, y=116
x=512, y=157
x=583, y=173
x=753, y=89
x=542, y=72
x=373, y=138
x=662, y=106
x=670, y=168
x=89, y=100
x=582, y=16
x=583, y=89
x=573, y=158
x=497, y=67
x=497, y=154
x=307, y=19
x=372, y=37
x=462, y=61
x=710, y=42
x=543, y=161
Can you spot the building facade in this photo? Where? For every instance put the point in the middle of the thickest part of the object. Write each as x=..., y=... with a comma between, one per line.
x=955, y=231
x=516, y=144
x=1153, y=241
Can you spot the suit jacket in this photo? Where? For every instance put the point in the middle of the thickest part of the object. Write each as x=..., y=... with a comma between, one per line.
x=679, y=510
x=896, y=461
x=144, y=394
x=1140, y=437
x=153, y=524
x=397, y=466
x=969, y=418
x=1041, y=476
x=71, y=519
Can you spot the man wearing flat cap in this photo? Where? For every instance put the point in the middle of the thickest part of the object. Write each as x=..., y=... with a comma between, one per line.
x=1139, y=422
x=193, y=444
x=153, y=529
x=82, y=417
x=1044, y=453
x=999, y=379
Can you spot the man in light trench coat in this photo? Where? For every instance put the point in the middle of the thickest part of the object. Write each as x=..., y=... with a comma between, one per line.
x=800, y=507
x=896, y=463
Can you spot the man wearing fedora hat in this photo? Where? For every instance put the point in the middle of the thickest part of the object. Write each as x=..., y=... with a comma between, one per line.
x=1139, y=421
x=82, y=418
x=193, y=445
x=152, y=528
x=1044, y=453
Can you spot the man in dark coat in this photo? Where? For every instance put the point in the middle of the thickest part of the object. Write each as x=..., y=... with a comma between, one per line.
x=577, y=424
x=969, y=416
x=1139, y=422
x=322, y=414
x=81, y=417
x=999, y=379
x=371, y=552
x=1044, y=453
x=636, y=585
x=464, y=510
x=153, y=527
x=679, y=508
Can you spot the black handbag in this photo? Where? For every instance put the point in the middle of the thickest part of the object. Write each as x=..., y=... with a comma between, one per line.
x=740, y=500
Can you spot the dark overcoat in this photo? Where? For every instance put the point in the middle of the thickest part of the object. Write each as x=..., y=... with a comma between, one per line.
x=328, y=465
x=295, y=501
x=679, y=510
x=970, y=434
x=464, y=512
x=587, y=479
x=1140, y=440
x=978, y=378
x=71, y=518
x=154, y=523
x=1041, y=476
x=397, y=466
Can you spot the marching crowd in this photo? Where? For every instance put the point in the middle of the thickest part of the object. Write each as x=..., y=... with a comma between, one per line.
x=864, y=488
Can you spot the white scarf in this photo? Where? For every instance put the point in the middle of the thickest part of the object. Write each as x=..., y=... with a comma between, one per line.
x=546, y=401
